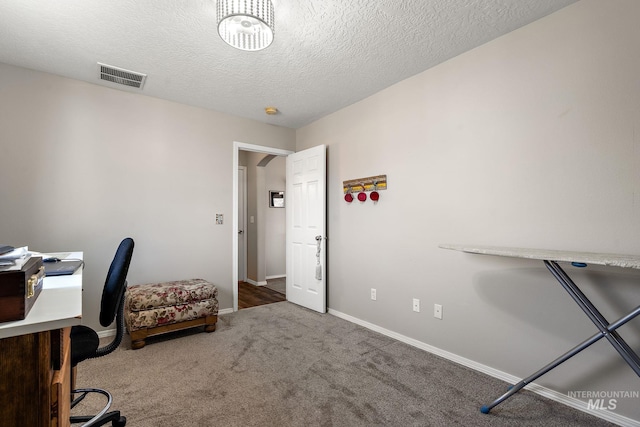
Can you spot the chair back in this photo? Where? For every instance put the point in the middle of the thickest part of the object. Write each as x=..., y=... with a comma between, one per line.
x=116, y=283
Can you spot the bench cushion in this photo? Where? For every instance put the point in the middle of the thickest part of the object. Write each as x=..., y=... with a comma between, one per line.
x=157, y=304
x=158, y=295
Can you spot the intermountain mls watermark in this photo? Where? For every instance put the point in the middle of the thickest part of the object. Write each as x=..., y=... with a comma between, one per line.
x=603, y=399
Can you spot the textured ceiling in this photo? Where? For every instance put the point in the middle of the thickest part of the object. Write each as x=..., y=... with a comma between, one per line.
x=327, y=54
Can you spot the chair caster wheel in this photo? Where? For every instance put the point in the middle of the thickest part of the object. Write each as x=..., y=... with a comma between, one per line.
x=119, y=423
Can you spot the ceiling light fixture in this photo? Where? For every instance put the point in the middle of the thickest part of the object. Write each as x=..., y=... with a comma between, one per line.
x=246, y=24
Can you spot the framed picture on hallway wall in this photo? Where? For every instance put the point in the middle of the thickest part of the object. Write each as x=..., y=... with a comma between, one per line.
x=276, y=199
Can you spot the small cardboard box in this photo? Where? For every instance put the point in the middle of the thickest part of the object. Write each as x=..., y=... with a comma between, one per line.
x=19, y=289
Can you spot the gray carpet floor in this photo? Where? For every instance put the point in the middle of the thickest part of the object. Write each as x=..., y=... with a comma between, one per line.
x=283, y=365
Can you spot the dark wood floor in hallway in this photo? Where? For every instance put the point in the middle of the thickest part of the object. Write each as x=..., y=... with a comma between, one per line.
x=251, y=296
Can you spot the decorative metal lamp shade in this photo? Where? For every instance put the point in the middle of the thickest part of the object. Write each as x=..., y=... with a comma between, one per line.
x=246, y=24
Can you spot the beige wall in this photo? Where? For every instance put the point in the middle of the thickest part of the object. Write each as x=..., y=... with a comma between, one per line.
x=255, y=208
x=531, y=140
x=275, y=236
x=83, y=166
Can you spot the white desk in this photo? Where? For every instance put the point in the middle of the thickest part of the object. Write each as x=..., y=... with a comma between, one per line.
x=35, y=367
x=59, y=305
x=606, y=329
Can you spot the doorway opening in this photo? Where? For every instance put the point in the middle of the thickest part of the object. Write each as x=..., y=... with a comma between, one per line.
x=262, y=240
x=254, y=288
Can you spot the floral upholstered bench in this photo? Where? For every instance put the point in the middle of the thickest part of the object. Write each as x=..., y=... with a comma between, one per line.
x=157, y=308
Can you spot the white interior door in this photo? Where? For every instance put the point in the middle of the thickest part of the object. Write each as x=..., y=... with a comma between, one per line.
x=305, y=229
x=242, y=223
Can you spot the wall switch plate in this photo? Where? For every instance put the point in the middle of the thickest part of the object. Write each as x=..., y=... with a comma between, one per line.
x=416, y=305
x=437, y=311
x=219, y=219
x=373, y=294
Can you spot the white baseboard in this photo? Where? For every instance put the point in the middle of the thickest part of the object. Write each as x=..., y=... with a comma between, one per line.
x=535, y=388
x=107, y=333
x=277, y=276
x=254, y=283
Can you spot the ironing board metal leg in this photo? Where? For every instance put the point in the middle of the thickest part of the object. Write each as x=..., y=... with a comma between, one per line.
x=513, y=390
x=595, y=316
x=605, y=330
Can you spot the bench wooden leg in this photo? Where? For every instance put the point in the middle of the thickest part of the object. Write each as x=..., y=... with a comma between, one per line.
x=210, y=323
x=137, y=338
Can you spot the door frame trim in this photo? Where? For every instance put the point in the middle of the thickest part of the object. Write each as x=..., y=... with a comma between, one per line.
x=237, y=146
x=244, y=226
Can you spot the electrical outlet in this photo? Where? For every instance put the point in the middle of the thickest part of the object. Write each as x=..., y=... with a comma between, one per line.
x=416, y=305
x=437, y=311
x=373, y=294
x=219, y=219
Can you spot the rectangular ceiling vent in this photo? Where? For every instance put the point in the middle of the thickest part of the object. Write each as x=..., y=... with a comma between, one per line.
x=121, y=76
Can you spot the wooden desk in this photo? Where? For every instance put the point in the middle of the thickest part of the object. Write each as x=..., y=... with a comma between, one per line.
x=35, y=364
x=606, y=329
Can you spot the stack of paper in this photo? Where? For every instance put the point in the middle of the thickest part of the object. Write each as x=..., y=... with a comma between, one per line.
x=15, y=259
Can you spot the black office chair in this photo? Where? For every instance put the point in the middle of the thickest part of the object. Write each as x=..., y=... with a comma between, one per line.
x=85, y=341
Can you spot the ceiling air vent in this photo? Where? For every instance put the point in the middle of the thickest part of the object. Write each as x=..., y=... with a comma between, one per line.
x=121, y=76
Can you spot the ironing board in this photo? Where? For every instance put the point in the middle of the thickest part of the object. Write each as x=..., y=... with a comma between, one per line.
x=607, y=330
